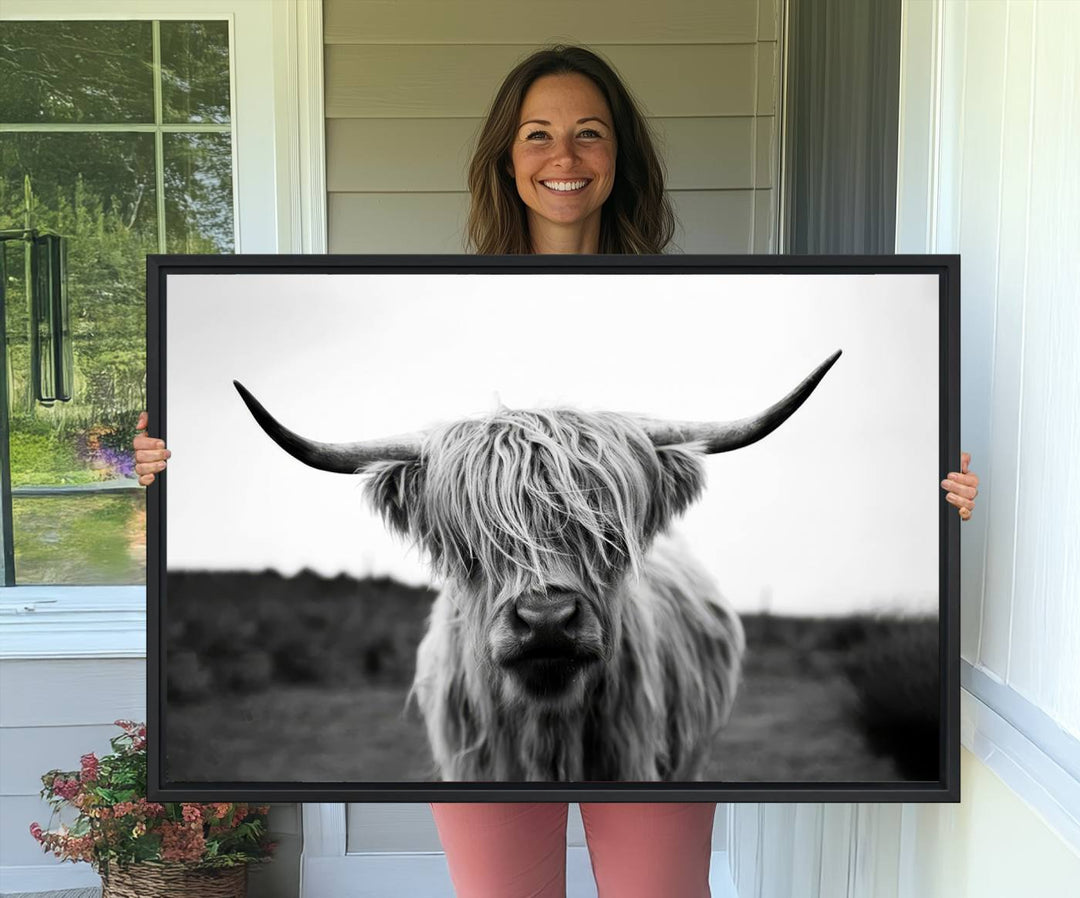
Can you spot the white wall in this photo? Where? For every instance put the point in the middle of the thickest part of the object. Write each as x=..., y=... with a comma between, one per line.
x=1003, y=189
x=1010, y=203
x=989, y=143
x=1000, y=161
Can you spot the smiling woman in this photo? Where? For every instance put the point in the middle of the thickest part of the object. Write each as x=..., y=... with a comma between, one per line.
x=562, y=117
x=563, y=162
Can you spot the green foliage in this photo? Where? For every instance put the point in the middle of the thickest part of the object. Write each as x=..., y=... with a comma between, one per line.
x=40, y=458
x=103, y=538
x=106, y=277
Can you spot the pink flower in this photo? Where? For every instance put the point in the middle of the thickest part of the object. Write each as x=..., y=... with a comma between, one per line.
x=149, y=808
x=66, y=789
x=181, y=842
x=192, y=813
x=89, y=768
x=35, y=831
x=123, y=808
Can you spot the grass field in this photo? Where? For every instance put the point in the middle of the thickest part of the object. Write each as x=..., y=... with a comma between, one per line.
x=84, y=539
x=304, y=680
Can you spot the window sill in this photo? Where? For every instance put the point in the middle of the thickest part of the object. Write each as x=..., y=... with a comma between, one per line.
x=1038, y=760
x=72, y=622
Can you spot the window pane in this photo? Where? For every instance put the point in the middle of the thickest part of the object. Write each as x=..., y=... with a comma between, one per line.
x=76, y=72
x=195, y=71
x=81, y=540
x=97, y=190
x=198, y=193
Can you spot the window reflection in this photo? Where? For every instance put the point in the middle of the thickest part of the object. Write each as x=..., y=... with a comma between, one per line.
x=78, y=512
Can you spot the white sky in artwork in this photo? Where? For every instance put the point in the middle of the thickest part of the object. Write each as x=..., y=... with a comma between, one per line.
x=834, y=512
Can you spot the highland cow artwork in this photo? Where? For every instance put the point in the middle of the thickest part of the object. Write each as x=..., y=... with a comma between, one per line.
x=439, y=527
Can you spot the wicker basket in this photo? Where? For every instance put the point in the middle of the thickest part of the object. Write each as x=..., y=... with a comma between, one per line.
x=161, y=880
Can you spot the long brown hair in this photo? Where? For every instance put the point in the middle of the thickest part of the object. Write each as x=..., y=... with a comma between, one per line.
x=637, y=216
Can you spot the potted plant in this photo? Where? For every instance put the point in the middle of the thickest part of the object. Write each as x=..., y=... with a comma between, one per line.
x=142, y=847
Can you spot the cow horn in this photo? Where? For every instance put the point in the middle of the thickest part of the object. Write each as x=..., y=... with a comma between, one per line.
x=341, y=458
x=727, y=435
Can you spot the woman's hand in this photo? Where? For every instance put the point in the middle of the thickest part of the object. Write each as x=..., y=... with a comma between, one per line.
x=961, y=487
x=150, y=454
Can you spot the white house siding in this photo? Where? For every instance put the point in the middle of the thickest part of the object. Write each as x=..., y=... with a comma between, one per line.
x=1014, y=214
x=1007, y=198
x=989, y=143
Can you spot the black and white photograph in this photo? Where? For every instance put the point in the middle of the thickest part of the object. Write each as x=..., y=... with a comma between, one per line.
x=609, y=525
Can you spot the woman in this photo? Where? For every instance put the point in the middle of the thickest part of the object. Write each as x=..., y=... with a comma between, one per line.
x=565, y=164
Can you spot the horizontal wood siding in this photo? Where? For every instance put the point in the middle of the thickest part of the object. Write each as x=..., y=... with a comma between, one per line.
x=439, y=81
x=60, y=693
x=380, y=155
x=477, y=22
x=26, y=755
x=408, y=84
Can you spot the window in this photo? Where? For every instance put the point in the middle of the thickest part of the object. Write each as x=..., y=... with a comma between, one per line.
x=116, y=135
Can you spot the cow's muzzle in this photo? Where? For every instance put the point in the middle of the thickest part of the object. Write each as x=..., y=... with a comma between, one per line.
x=554, y=637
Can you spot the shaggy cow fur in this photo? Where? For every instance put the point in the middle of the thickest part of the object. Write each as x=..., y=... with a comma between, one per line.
x=562, y=505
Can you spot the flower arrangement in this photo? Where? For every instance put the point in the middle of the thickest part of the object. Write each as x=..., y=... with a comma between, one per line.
x=116, y=824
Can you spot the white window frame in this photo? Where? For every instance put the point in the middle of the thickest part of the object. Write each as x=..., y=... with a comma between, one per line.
x=279, y=204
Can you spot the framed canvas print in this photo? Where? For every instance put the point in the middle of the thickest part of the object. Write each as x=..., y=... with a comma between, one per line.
x=580, y=528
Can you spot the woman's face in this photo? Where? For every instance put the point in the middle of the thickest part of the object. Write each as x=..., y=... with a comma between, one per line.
x=563, y=154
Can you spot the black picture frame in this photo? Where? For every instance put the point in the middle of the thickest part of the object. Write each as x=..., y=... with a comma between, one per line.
x=946, y=268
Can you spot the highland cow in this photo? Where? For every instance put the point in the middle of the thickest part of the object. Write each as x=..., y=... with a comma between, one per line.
x=574, y=639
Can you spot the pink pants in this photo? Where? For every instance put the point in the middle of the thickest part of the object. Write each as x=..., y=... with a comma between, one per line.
x=519, y=850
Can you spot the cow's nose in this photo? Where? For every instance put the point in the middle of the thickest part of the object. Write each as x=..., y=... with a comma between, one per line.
x=545, y=615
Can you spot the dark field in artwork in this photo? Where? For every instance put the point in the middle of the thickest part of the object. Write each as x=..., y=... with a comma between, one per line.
x=304, y=679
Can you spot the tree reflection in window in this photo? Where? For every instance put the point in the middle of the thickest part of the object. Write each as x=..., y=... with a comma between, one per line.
x=124, y=131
